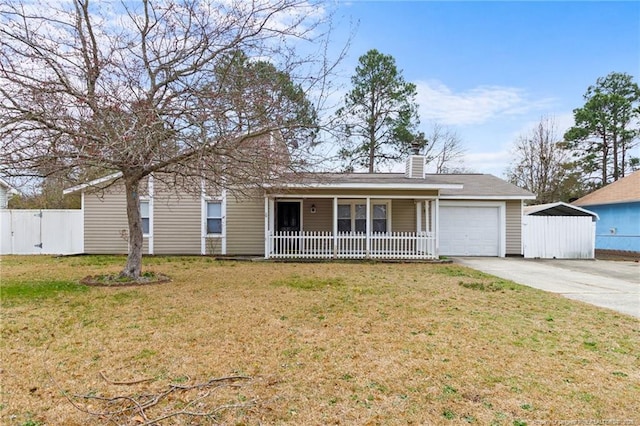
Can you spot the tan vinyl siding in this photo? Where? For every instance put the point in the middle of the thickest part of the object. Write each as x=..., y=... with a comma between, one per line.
x=105, y=223
x=245, y=225
x=514, y=227
x=322, y=219
x=213, y=245
x=403, y=216
x=177, y=223
x=415, y=167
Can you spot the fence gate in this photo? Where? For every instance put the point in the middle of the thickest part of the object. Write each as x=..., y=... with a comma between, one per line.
x=41, y=232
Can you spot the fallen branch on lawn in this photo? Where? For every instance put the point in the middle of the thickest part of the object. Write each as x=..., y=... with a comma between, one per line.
x=150, y=407
x=117, y=382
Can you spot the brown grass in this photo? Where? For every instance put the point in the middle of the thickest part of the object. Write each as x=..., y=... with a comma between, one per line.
x=324, y=343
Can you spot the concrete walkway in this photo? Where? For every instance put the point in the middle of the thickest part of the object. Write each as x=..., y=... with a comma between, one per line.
x=609, y=284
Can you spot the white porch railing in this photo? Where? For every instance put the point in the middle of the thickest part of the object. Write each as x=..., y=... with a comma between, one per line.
x=323, y=245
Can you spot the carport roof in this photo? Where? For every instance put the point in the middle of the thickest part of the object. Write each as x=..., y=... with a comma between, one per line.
x=557, y=209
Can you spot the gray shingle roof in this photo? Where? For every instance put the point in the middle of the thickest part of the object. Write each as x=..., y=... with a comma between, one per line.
x=473, y=185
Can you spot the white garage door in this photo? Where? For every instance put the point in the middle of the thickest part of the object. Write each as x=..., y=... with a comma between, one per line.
x=469, y=231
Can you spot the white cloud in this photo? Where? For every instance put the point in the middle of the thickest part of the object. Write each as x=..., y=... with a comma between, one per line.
x=493, y=163
x=476, y=106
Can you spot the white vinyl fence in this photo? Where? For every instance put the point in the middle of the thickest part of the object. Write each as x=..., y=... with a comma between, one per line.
x=41, y=232
x=558, y=237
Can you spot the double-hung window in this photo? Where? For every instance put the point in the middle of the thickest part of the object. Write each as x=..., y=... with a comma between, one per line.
x=214, y=217
x=379, y=222
x=344, y=217
x=352, y=217
x=144, y=214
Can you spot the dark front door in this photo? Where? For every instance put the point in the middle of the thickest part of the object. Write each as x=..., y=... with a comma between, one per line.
x=288, y=213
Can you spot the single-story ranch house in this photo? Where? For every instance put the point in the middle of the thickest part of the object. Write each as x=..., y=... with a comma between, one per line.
x=409, y=215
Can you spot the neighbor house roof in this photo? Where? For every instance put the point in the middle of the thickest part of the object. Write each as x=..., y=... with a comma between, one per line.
x=624, y=190
x=557, y=209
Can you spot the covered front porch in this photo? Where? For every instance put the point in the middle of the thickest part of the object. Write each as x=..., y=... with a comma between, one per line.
x=304, y=226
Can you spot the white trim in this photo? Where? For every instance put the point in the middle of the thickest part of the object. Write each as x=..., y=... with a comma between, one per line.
x=272, y=214
x=522, y=228
x=150, y=191
x=149, y=235
x=488, y=197
x=530, y=210
x=203, y=222
x=205, y=236
x=83, y=214
x=223, y=212
x=368, y=202
x=357, y=196
x=436, y=224
x=379, y=185
x=335, y=226
x=368, y=222
x=502, y=218
x=94, y=182
x=267, y=215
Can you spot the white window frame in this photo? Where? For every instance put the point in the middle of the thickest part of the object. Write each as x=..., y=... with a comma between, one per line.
x=205, y=199
x=147, y=200
x=362, y=201
x=207, y=217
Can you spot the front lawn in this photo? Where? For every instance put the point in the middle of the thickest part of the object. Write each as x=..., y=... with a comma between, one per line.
x=307, y=344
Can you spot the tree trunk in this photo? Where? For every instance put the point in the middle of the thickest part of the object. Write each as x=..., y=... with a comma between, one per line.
x=133, y=268
x=616, y=166
x=372, y=149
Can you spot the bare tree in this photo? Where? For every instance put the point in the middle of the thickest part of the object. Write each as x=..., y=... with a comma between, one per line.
x=443, y=149
x=151, y=87
x=540, y=163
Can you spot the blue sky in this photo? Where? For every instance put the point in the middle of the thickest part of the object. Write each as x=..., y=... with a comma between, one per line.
x=490, y=70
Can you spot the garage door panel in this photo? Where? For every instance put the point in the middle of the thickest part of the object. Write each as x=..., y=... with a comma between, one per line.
x=469, y=231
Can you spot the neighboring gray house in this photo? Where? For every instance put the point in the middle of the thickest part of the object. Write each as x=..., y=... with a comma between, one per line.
x=354, y=215
x=5, y=191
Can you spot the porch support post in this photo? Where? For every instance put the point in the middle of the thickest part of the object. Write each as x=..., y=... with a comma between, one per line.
x=267, y=237
x=419, y=212
x=335, y=227
x=435, y=217
x=368, y=227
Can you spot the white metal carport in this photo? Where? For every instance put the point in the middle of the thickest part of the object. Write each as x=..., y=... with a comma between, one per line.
x=558, y=231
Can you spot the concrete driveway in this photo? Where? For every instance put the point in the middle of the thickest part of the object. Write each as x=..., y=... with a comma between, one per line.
x=609, y=284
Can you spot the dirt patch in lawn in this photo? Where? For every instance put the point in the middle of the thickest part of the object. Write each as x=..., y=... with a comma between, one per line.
x=342, y=343
x=116, y=281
